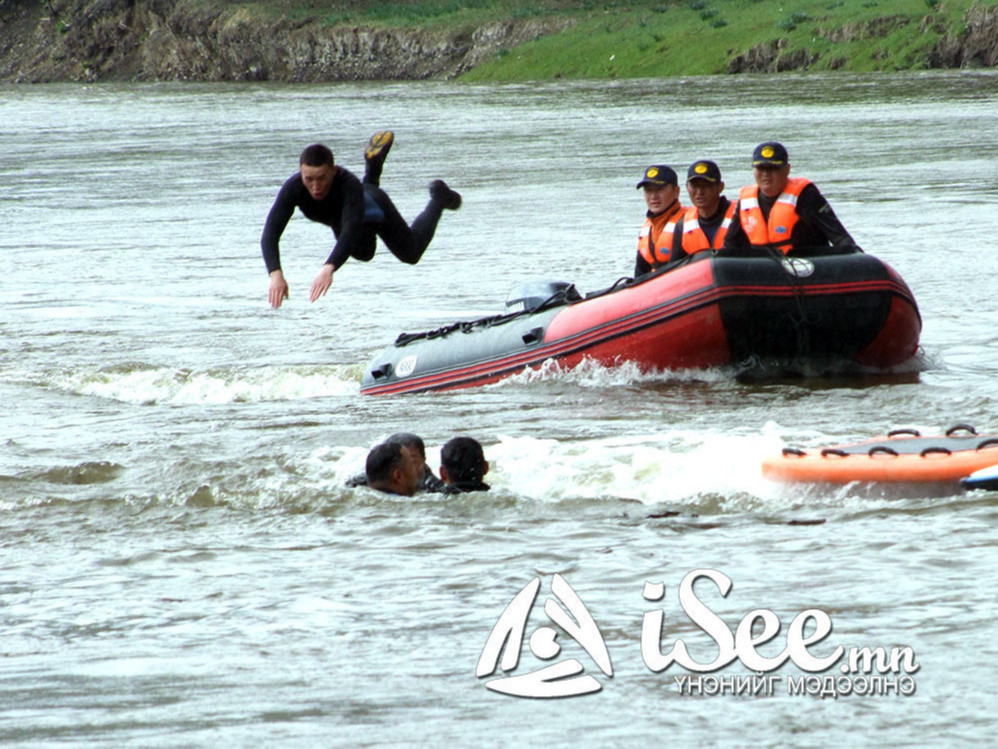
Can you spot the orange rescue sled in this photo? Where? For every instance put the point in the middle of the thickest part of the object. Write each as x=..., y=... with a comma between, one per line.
x=902, y=456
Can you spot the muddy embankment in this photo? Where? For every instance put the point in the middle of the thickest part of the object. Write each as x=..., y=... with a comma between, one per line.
x=149, y=40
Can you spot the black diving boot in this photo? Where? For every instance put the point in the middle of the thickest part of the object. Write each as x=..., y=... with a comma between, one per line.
x=444, y=196
x=375, y=154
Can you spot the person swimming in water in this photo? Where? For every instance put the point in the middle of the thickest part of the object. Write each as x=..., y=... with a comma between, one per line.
x=428, y=482
x=463, y=465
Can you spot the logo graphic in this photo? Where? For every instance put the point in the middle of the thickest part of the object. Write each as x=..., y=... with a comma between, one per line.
x=767, y=152
x=700, y=169
x=759, y=643
x=405, y=366
x=798, y=266
x=557, y=680
x=652, y=172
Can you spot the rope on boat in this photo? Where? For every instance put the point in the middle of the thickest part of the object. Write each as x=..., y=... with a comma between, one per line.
x=558, y=299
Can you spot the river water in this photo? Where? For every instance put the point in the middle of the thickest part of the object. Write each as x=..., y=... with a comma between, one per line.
x=180, y=564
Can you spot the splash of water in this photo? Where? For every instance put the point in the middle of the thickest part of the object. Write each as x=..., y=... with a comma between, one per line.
x=165, y=385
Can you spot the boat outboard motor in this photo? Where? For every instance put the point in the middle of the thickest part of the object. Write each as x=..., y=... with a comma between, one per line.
x=530, y=295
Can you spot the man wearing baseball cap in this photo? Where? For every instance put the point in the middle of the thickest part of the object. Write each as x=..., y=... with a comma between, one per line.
x=661, y=189
x=705, y=223
x=784, y=213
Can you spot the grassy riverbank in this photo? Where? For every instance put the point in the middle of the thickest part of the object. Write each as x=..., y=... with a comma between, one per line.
x=484, y=40
x=672, y=38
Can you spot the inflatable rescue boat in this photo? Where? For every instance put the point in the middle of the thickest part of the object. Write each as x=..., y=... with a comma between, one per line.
x=709, y=311
x=902, y=456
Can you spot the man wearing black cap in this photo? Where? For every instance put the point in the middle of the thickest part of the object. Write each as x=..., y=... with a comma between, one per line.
x=661, y=187
x=358, y=214
x=784, y=213
x=705, y=224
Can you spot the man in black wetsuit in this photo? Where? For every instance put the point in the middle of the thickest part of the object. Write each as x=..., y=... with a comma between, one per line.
x=783, y=214
x=357, y=212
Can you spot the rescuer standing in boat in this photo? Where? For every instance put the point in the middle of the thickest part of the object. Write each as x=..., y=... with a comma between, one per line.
x=784, y=213
x=661, y=187
x=358, y=214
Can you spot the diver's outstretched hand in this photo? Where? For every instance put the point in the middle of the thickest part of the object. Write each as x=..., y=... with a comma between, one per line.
x=322, y=282
x=278, y=289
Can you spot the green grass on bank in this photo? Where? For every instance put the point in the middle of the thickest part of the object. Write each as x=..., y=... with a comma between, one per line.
x=667, y=37
x=702, y=37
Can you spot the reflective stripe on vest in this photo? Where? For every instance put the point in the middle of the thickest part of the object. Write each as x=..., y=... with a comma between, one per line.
x=694, y=238
x=782, y=216
x=655, y=239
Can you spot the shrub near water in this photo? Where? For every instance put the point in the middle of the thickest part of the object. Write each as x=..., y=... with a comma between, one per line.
x=660, y=38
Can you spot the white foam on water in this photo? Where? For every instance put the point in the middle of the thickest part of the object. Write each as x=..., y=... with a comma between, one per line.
x=162, y=385
x=683, y=467
x=652, y=468
x=590, y=373
x=706, y=472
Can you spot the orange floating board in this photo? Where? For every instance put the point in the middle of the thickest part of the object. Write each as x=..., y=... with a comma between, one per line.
x=902, y=456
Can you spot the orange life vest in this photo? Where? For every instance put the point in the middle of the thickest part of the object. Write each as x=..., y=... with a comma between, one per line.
x=694, y=238
x=655, y=239
x=782, y=217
